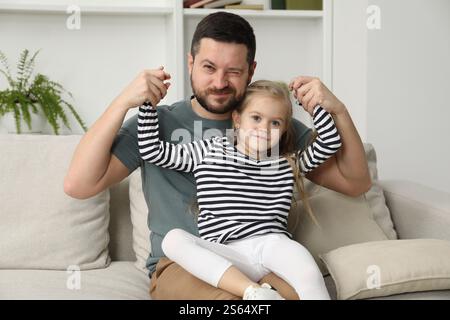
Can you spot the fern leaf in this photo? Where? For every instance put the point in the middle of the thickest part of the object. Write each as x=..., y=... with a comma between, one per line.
x=33, y=106
x=17, y=119
x=48, y=103
x=61, y=114
x=29, y=67
x=21, y=68
x=24, y=106
x=3, y=102
x=76, y=115
x=7, y=73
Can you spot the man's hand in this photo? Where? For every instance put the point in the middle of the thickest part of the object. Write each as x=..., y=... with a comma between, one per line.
x=310, y=92
x=149, y=86
x=346, y=171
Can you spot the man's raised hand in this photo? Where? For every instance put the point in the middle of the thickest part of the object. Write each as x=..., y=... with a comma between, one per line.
x=310, y=92
x=149, y=86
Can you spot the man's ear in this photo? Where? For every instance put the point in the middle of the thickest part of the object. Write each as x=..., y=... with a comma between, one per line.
x=190, y=62
x=251, y=71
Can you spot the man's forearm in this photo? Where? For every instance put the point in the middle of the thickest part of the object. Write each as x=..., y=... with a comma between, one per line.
x=92, y=155
x=351, y=158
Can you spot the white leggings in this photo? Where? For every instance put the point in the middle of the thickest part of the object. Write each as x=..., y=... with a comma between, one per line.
x=255, y=257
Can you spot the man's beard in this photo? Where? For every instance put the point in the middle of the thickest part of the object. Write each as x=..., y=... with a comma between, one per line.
x=229, y=106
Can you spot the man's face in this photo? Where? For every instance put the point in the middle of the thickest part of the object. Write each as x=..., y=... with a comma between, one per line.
x=219, y=75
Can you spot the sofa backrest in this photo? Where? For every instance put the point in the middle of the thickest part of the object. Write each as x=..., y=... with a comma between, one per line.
x=46, y=160
x=120, y=228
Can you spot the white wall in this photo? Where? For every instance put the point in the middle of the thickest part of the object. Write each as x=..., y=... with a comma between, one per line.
x=350, y=59
x=408, y=84
x=395, y=83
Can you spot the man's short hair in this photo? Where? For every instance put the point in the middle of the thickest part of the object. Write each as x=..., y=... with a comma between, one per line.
x=225, y=27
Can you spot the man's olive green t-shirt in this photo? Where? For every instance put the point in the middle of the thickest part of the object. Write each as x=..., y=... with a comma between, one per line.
x=170, y=194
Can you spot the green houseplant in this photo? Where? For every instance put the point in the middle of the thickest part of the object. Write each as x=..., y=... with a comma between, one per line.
x=25, y=95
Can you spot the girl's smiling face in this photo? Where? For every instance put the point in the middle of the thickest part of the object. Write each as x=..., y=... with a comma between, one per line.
x=260, y=125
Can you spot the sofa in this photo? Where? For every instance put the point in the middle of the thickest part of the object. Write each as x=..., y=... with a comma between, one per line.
x=56, y=247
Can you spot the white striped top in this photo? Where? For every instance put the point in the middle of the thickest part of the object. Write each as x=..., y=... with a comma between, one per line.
x=238, y=196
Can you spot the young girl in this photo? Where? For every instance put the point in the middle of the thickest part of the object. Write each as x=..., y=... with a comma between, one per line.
x=244, y=193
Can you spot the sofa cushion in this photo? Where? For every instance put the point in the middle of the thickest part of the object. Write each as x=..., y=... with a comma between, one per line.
x=120, y=280
x=42, y=227
x=120, y=228
x=383, y=268
x=423, y=295
x=343, y=220
x=139, y=214
x=375, y=197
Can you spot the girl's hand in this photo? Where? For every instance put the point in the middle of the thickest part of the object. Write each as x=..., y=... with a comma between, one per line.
x=148, y=86
x=310, y=92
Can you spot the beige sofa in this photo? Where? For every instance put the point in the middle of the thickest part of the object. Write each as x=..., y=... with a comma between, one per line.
x=56, y=247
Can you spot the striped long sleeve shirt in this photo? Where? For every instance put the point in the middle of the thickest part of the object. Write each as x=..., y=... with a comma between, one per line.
x=238, y=196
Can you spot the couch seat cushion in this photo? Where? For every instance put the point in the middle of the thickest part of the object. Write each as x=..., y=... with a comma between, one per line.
x=121, y=280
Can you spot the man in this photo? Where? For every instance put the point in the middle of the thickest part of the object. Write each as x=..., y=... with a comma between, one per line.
x=221, y=65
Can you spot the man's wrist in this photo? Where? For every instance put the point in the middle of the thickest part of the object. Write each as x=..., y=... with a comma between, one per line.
x=120, y=104
x=341, y=110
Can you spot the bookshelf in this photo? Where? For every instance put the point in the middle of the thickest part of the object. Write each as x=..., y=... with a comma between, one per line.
x=302, y=39
x=259, y=13
x=89, y=7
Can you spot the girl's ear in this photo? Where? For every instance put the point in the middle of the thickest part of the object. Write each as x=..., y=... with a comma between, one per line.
x=236, y=118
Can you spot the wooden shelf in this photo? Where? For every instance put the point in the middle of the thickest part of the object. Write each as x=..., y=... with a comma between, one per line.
x=259, y=13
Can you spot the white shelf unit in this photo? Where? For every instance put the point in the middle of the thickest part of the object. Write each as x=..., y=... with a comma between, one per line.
x=289, y=42
x=89, y=9
x=88, y=6
x=259, y=13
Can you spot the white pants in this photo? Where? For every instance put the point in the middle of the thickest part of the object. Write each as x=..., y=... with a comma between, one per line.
x=255, y=257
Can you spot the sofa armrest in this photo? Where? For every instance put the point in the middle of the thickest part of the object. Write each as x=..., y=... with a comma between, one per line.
x=417, y=211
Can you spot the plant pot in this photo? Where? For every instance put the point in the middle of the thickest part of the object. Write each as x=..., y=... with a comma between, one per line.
x=38, y=123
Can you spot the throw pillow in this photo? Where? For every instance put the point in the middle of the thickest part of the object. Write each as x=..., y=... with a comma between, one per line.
x=139, y=215
x=383, y=268
x=343, y=220
x=375, y=197
x=42, y=227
